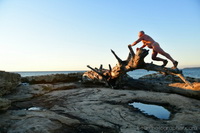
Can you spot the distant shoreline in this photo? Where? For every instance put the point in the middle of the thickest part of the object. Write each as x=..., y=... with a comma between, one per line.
x=52, y=71
x=192, y=68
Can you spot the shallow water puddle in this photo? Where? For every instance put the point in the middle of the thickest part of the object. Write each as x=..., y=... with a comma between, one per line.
x=35, y=109
x=150, y=109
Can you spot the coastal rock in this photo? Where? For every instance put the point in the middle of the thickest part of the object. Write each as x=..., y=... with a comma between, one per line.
x=4, y=104
x=167, y=78
x=53, y=78
x=81, y=108
x=165, y=86
x=196, y=87
x=26, y=91
x=8, y=82
x=102, y=110
x=31, y=121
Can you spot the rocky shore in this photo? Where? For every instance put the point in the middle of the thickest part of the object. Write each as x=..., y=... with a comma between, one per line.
x=69, y=103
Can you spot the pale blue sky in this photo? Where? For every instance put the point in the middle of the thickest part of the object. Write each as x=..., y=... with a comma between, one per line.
x=50, y=35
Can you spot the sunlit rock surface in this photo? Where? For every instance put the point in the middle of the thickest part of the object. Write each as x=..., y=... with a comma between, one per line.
x=102, y=107
x=73, y=106
x=167, y=78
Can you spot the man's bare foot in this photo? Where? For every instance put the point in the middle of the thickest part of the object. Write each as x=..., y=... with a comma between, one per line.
x=175, y=64
x=164, y=63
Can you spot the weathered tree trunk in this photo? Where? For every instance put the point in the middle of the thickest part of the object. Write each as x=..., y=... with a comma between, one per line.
x=134, y=61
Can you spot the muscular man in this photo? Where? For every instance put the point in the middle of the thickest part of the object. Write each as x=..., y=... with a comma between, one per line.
x=149, y=42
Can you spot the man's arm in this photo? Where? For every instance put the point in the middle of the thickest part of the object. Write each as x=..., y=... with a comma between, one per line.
x=143, y=46
x=134, y=43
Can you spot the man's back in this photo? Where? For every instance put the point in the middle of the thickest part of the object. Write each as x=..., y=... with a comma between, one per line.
x=147, y=39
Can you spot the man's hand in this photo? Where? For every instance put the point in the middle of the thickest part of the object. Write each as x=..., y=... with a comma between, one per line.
x=129, y=45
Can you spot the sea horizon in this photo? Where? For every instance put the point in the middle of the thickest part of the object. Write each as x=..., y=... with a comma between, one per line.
x=47, y=70
x=195, y=67
x=190, y=72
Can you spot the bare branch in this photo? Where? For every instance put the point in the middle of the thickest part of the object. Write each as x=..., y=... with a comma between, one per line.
x=129, y=57
x=184, y=80
x=131, y=51
x=100, y=68
x=110, y=68
x=118, y=59
x=167, y=71
x=101, y=74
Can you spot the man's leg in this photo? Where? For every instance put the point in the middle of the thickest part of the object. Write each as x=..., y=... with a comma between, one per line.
x=158, y=49
x=154, y=57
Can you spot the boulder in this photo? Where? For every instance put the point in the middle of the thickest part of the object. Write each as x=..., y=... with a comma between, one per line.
x=4, y=104
x=8, y=82
x=53, y=78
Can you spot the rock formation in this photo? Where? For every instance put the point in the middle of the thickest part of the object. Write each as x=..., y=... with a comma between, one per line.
x=53, y=78
x=73, y=106
x=88, y=110
x=8, y=82
x=4, y=104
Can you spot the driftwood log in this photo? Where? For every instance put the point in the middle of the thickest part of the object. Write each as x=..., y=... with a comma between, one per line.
x=114, y=75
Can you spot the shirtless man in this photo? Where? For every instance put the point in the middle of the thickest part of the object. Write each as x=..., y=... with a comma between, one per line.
x=149, y=42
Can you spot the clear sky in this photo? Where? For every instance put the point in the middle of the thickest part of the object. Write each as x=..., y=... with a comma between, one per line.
x=56, y=35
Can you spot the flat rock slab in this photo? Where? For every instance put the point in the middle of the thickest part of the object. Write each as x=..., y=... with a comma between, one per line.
x=102, y=110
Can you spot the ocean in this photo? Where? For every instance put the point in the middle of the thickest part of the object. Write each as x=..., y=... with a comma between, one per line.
x=191, y=72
